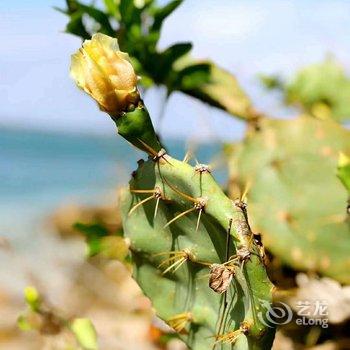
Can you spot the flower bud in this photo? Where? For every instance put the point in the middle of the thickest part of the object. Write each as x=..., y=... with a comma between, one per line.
x=106, y=74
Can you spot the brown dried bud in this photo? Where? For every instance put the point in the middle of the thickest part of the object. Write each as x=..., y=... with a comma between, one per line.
x=220, y=277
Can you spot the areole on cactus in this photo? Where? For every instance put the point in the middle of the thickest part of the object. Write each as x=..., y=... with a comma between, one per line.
x=193, y=252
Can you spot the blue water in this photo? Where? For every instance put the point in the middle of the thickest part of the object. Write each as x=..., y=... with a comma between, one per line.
x=41, y=171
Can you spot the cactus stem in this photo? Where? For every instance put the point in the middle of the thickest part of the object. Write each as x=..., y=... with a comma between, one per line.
x=178, y=322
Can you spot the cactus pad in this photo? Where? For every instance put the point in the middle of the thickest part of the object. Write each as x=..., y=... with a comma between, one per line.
x=295, y=200
x=177, y=219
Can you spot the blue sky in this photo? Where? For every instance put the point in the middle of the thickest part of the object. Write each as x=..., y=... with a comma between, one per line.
x=245, y=37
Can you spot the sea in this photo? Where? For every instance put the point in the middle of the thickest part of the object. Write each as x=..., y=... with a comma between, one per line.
x=42, y=171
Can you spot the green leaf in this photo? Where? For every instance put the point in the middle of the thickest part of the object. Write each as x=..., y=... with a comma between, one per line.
x=100, y=17
x=72, y=5
x=76, y=10
x=65, y=12
x=76, y=26
x=23, y=323
x=192, y=77
x=93, y=234
x=221, y=89
x=85, y=333
x=100, y=242
x=271, y=82
x=93, y=247
x=161, y=64
x=162, y=13
x=112, y=7
x=344, y=170
x=129, y=13
x=91, y=230
x=32, y=298
x=173, y=53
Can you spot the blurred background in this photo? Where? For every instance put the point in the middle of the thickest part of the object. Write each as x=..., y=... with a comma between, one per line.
x=61, y=162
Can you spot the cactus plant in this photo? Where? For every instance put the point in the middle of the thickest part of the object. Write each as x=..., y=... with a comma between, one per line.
x=173, y=258
x=295, y=199
x=192, y=248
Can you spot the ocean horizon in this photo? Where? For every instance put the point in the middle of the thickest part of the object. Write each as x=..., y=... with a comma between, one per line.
x=40, y=171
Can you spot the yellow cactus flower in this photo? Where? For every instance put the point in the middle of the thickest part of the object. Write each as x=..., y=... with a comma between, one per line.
x=105, y=73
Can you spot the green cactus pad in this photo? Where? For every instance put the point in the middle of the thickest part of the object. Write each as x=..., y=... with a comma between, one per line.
x=296, y=200
x=183, y=298
x=321, y=89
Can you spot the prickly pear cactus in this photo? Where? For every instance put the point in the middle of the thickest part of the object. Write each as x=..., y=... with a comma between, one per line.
x=193, y=251
x=295, y=199
x=177, y=219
